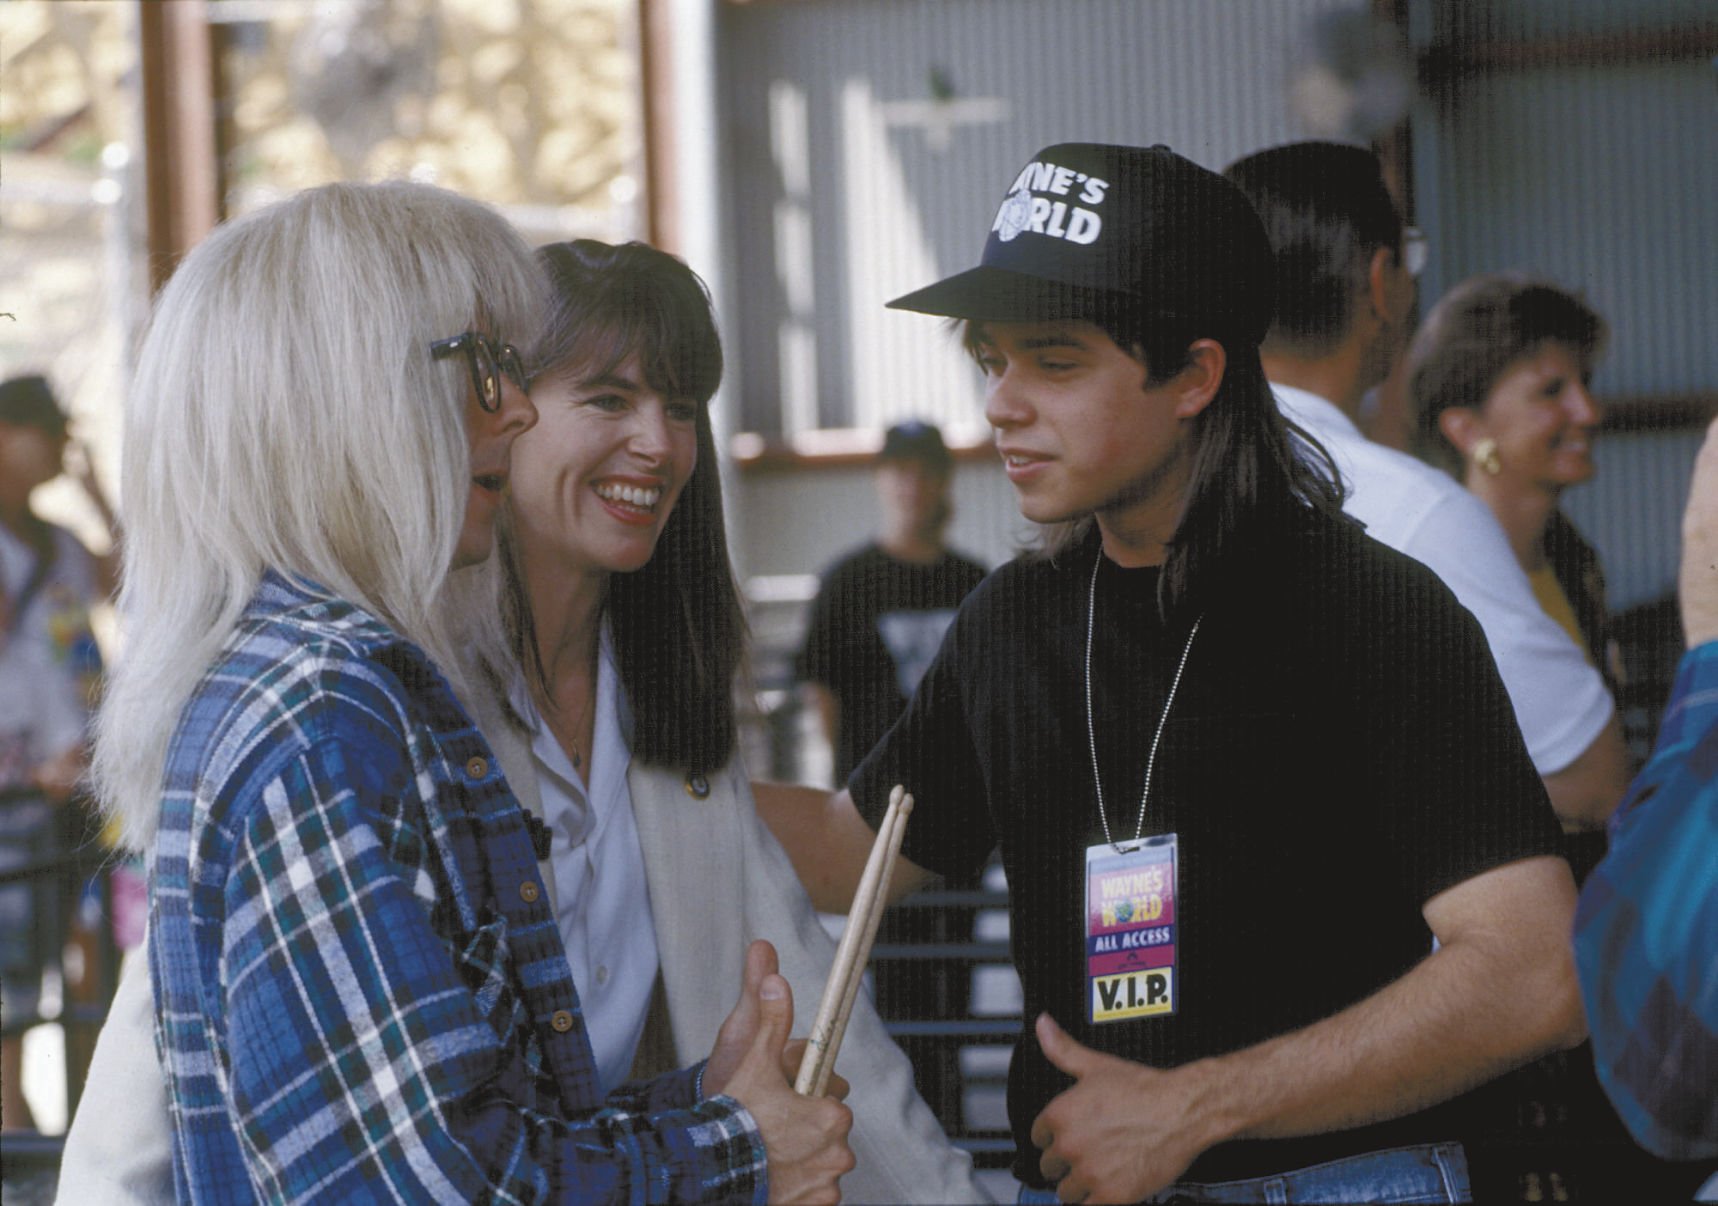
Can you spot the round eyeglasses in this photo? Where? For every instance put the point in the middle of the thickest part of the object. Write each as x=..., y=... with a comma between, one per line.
x=488, y=360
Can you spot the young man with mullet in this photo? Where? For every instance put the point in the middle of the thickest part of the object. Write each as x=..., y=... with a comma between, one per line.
x=1242, y=762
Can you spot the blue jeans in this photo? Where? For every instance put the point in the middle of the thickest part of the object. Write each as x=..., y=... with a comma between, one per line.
x=1430, y=1172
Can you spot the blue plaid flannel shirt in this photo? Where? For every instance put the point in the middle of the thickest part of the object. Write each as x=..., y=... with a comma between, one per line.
x=361, y=993
x=1646, y=932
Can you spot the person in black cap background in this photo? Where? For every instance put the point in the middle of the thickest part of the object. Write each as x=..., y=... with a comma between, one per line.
x=881, y=610
x=879, y=616
x=1243, y=763
x=49, y=669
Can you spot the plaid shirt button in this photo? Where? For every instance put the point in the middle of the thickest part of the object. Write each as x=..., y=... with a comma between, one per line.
x=319, y=679
x=528, y=892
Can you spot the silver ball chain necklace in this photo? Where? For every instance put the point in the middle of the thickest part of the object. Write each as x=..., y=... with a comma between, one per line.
x=1091, y=729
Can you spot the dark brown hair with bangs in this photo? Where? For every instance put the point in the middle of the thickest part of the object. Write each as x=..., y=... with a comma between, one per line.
x=678, y=624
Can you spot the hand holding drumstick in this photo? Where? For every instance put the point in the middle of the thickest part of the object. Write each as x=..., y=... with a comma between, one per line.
x=805, y=1142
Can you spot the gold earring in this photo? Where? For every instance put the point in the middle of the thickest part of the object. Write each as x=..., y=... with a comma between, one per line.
x=1485, y=456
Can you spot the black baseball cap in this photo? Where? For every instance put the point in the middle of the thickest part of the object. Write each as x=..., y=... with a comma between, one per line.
x=915, y=440
x=1091, y=231
x=29, y=402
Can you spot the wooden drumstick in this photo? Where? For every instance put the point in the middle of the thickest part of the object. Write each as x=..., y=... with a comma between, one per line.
x=872, y=921
x=849, y=958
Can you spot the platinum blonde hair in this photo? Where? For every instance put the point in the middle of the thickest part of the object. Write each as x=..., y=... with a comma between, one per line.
x=286, y=414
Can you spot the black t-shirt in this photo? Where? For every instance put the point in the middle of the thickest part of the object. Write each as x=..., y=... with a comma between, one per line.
x=874, y=628
x=1340, y=750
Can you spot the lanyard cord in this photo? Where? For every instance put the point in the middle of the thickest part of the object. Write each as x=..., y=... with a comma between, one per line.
x=1091, y=730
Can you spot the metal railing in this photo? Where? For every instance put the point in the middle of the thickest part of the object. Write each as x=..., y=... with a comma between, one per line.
x=940, y=1046
x=67, y=867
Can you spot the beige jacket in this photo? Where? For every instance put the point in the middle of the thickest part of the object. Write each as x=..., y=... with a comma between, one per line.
x=717, y=880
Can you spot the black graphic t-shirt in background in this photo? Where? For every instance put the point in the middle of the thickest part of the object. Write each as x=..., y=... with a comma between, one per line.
x=1340, y=750
x=875, y=626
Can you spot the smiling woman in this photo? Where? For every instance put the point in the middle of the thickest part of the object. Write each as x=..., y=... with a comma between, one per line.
x=620, y=639
x=1498, y=380
x=497, y=409
x=616, y=451
x=617, y=507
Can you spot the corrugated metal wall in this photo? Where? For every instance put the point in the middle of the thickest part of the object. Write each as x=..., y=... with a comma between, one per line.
x=893, y=192
x=1489, y=20
x=1632, y=511
x=1604, y=178
x=846, y=186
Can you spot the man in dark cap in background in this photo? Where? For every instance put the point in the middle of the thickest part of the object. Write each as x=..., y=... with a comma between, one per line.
x=881, y=610
x=1243, y=762
x=879, y=616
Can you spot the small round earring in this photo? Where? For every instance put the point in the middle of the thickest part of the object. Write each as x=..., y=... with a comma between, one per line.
x=1485, y=456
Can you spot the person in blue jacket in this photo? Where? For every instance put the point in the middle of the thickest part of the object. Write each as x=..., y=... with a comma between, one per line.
x=1646, y=925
